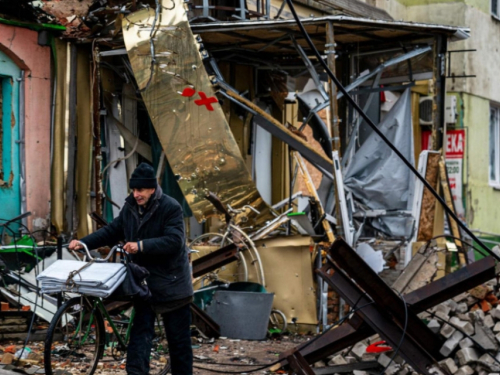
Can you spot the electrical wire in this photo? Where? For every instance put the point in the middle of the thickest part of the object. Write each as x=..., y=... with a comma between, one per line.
x=334, y=324
x=381, y=134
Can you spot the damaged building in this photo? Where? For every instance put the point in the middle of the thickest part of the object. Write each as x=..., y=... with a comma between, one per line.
x=270, y=161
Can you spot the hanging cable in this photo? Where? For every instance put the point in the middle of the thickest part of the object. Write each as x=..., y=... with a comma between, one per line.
x=379, y=132
x=334, y=324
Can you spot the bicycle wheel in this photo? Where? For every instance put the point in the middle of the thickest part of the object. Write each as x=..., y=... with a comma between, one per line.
x=277, y=322
x=208, y=242
x=75, y=338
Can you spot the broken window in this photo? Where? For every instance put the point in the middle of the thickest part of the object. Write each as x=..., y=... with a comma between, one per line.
x=494, y=174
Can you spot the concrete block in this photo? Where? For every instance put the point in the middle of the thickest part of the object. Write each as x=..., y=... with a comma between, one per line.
x=384, y=359
x=451, y=344
x=337, y=360
x=452, y=305
x=447, y=330
x=449, y=364
x=351, y=359
x=357, y=372
x=495, y=313
x=392, y=369
x=488, y=321
x=464, y=316
x=471, y=301
x=461, y=308
x=434, y=370
x=496, y=327
x=442, y=310
x=486, y=358
x=319, y=364
x=465, y=326
x=476, y=315
x=465, y=370
x=461, y=297
x=466, y=355
x=434, y=325
x=485, y=337
x=466, y=343
x=358, y=350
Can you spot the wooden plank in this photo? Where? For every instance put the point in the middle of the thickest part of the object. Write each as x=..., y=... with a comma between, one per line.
x=312, y=191
x=428, y=206
x=409, y=272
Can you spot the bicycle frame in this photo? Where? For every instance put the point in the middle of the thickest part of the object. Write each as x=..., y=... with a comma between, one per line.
x=98, y=304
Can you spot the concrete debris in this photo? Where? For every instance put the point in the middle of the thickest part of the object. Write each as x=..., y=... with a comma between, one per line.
x=469, y=328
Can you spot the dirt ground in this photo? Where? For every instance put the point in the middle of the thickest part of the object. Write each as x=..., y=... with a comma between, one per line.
x=222, y=354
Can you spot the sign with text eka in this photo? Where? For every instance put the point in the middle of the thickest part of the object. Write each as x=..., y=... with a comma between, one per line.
x=455, y=147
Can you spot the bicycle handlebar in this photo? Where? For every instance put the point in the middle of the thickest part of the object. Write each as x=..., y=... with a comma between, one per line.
x=113, y=249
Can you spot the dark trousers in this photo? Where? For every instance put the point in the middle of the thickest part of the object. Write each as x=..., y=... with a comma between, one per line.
x=177, y=327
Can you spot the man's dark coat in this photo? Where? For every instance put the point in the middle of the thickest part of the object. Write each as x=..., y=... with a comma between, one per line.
x=164, y=252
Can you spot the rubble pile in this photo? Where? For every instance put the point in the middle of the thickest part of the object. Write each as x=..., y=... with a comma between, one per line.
x=468, y=324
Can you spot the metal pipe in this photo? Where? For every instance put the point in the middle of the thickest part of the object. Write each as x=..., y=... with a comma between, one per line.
x=22, y=146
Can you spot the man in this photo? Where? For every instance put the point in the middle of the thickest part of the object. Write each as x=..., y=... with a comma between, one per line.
x=151, y=224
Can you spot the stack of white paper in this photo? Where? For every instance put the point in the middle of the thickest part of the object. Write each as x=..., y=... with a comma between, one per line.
x=97, y=279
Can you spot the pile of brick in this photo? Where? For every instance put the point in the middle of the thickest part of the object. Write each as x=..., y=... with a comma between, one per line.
x=468, y=325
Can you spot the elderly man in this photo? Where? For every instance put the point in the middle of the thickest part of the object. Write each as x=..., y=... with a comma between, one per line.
x=151, y=224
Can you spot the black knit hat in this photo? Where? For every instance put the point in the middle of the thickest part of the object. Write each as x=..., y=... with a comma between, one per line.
x=143, y=177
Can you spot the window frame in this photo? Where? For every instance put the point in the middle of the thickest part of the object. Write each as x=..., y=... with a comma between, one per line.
x=495, y=13
x=494, y=140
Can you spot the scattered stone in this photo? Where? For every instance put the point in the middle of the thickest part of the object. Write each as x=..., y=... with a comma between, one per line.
x=358, y=350
x=466, y=355
x=466, y=343
x=434, y=325
x=319, y=364
x=471, y=301
x=452, y=305
x=479, y=292
x=461, y=297
x=488, y=321
x=495, y=313
x=496, y=328
x=461, y=308
x=451, y=344
x=449, y=364
x=384, y=359
x=442, y=307
x=467, y=327
x=447, y=330
x=484, y=336
x=465, y=317
x=337, y=360
x=465, y=370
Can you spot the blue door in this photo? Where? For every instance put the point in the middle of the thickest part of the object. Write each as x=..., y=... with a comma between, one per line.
x=10, y=195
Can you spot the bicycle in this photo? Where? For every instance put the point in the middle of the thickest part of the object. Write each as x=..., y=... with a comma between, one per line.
x=232, y=234
x=81, y=328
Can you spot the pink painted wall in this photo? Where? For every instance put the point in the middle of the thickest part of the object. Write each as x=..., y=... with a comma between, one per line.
x=21, y=45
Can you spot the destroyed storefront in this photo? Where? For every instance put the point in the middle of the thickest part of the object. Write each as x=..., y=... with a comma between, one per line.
x=268, y=160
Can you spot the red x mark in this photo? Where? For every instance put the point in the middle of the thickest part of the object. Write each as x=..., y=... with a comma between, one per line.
x=206, y=101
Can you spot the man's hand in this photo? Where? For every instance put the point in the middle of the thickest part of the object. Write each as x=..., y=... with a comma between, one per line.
x=131, y=247
x=75, y=245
